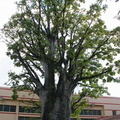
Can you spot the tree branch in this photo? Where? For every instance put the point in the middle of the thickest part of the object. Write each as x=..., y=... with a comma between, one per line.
x=30, y=71
x=94, y=76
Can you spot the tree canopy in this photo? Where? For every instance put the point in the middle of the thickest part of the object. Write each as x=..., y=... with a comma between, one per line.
x=59, y=44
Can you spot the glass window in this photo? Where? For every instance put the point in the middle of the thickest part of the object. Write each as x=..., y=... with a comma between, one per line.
x=29, y=109
x=86, y=112
x=73, y=118
x=35, y=110
x=34, y=118
x=21, y=118
x=90, y=112
x=12, y=108
x=82, y=112
x=114, y=112
x=94, y=112
x=98, y=112
x=29, y=118
x=21, y=109
x=6, y=108
x=1, y=107
x=32, y=110
x=38, y=118
x=87, y=119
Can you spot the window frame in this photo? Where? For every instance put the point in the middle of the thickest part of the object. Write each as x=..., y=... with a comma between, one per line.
x=91, y=112
x=7, y=108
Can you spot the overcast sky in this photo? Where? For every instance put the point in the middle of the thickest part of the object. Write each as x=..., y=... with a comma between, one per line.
x=8, y=7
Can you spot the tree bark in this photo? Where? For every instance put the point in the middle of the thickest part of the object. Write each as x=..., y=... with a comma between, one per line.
x=56, y=106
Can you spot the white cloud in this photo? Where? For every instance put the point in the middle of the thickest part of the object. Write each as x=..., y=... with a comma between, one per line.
x=109, y=15
x=7, y=8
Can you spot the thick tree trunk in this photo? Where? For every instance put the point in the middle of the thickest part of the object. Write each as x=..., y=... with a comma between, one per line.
x=58, y=109
x=56, y=106
x=61, y=109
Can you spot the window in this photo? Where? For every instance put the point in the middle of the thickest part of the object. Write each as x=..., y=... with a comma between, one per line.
x=1, y=107
x=29, y=109
x=87, y=119
x=73, y=118
x=12, y=108
x=90, y=112
x=114, y=112
x=29, y=118
x=7, y=108
x=21, y=109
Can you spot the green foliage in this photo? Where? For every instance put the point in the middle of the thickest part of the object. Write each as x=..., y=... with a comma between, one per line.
x=77, y=104
x=60, y=37
x=79, y=101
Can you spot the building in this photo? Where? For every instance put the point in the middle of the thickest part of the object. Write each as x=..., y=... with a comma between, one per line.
x=115, y=117
x=101, y=107
x=23, y=108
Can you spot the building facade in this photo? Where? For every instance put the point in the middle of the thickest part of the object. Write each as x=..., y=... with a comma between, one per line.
x=21, y=109
x=24, y=109
x=101, y=107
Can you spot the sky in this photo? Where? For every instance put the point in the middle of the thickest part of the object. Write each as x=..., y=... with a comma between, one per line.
x=8, y=7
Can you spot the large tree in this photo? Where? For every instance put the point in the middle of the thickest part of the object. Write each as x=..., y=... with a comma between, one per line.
x=59, y=45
